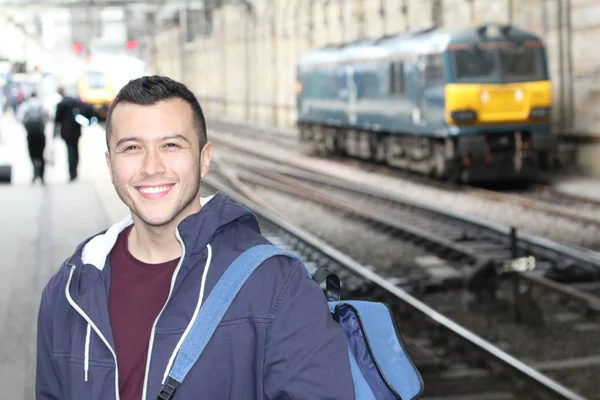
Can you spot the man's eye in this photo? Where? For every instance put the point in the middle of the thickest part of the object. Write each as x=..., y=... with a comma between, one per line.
x=131, y=148
x=171, y=145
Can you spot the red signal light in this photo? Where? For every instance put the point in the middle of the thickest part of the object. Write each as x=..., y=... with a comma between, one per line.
x=132, y=44
x=77, y=47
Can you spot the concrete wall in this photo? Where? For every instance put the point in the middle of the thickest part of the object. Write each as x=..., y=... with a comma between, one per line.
x=245, y=68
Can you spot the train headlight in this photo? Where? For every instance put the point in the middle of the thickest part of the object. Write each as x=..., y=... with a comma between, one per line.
x=539, y=112
x=463, y=115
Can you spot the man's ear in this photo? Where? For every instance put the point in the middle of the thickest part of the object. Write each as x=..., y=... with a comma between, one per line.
x=206, y=156
x=107, y=156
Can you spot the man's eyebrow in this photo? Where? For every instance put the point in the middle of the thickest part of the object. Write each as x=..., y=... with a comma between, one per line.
x=127, y=139
x=137, y=139
x=176, y=136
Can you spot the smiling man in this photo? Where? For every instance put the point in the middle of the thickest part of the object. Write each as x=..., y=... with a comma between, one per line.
x=113, y=317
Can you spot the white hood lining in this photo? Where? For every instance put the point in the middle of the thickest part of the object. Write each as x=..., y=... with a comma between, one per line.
x=98, y=248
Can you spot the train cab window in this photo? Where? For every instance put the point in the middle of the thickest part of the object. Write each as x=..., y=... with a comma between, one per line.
x=519, y=64
x=478, y=64
x=96, y=80
x=475, y=64
x=396, y=78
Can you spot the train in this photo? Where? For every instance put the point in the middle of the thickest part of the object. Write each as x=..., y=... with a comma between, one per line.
x=471, y=104
x=95, y=88
x=101, y=76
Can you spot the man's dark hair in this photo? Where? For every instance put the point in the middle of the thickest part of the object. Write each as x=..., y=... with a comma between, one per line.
x=149, y=90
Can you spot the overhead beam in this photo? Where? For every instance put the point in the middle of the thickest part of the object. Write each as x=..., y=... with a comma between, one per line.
x=41, y=5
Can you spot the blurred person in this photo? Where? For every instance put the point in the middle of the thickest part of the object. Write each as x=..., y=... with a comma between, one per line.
x=32, y=114
x=68, y=128
x=17, y=98
x=111, y=320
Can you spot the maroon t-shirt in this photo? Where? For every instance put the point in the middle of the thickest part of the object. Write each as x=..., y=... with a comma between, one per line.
x=138, y=291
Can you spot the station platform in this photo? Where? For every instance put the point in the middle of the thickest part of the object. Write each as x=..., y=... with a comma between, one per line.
x=41, y=226
x=578, y=186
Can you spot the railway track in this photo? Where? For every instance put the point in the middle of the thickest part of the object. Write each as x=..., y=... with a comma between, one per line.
x=547, y=194
x=544, y=199
x=468, y=238
x=454, y=362
x=479, y=253
x=536, y=197
x=494, y=265
x=257, y=132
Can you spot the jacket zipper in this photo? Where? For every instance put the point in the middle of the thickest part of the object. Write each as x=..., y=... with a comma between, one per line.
x=95, y=328
x=151, y=344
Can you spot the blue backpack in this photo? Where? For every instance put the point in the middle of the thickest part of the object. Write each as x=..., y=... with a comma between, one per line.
x=381, y=368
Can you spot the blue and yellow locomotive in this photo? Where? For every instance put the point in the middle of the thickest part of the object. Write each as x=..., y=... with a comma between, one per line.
x=471, y=104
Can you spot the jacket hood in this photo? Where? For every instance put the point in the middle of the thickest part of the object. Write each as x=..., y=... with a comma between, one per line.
x=196, y=231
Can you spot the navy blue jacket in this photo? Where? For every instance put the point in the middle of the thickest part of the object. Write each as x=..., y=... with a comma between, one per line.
x=277, y=341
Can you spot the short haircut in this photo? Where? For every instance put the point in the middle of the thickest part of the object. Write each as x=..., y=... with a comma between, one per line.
x=149, y=90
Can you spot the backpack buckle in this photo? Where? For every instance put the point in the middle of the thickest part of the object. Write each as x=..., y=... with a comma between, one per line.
x=168, y=390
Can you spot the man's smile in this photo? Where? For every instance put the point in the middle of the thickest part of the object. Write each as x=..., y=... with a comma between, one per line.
x=155, y=192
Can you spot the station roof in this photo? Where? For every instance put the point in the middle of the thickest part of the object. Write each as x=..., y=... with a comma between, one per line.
x=66, y=4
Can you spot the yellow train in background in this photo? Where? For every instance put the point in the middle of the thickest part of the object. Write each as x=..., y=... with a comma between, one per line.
x=96, y=89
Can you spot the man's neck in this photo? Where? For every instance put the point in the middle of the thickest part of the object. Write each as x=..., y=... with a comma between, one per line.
x=153, y=245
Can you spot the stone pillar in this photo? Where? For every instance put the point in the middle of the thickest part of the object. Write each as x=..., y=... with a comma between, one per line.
x=359, y=16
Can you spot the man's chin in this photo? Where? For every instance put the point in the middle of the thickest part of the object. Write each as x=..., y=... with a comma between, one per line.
x=155, y=221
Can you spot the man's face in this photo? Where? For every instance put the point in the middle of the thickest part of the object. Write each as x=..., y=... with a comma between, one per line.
x=155, y=160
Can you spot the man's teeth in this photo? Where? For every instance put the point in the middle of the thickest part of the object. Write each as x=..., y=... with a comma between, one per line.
x=155, y=189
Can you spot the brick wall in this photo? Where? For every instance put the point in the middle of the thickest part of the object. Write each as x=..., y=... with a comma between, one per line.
x=248, y=61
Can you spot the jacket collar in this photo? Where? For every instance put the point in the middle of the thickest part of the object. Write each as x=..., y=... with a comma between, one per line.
x=96, y=250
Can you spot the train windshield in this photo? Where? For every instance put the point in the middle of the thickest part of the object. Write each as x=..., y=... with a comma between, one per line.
x=96, y=80
x=520, y=64
x=502, y=65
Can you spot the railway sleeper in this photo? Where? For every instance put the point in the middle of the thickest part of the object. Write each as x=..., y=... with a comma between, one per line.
x=461, y=380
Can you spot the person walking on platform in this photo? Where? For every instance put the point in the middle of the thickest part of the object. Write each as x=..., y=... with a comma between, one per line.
x=34, y=117
x=68, y=128
x=112, y=320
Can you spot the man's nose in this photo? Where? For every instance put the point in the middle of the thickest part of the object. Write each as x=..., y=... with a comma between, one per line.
x=153, y=163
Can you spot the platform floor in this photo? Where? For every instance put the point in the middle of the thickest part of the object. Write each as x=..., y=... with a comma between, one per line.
x=40, y=227
x=579, y=186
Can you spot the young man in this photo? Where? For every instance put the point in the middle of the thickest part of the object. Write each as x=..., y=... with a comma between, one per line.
x=34, y=117
x=112, y=319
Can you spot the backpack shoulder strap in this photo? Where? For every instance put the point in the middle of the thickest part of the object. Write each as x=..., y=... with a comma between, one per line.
x=213, y=310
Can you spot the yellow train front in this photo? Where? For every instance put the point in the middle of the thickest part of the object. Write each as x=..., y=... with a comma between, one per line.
x=499, y=106
x=95, y=88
